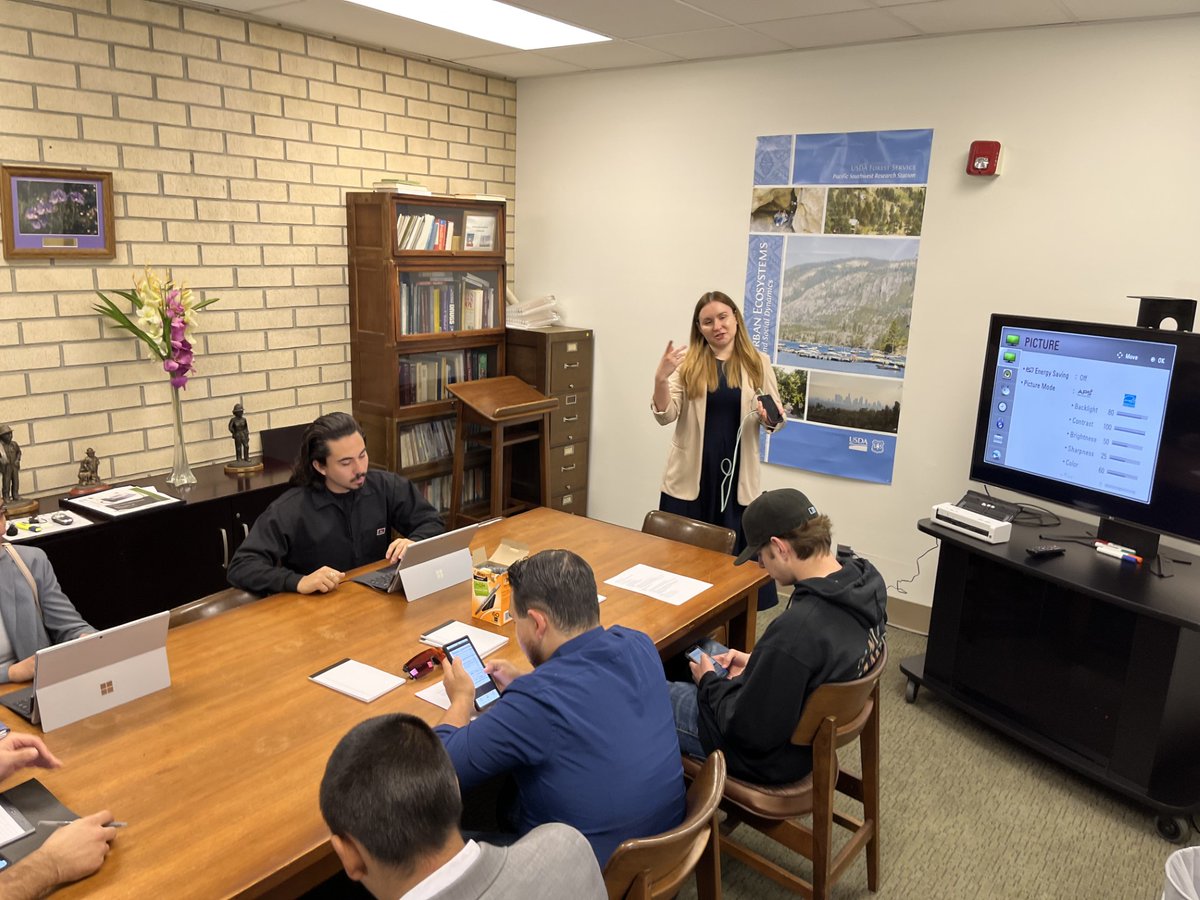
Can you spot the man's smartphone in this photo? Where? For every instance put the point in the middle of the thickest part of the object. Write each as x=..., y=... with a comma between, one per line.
x=697, y=652
x=774, y=416
x=486, y=691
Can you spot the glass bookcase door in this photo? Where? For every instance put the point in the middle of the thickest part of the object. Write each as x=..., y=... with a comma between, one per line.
x=438, y=302
x=437, y=228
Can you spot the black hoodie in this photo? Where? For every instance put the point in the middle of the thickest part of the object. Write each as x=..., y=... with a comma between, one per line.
x=832, y=630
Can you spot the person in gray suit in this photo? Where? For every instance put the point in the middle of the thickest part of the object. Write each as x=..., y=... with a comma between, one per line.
x=34, y=611
x=390, y=798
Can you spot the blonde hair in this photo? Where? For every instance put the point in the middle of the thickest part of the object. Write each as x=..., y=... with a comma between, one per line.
x=698, y=371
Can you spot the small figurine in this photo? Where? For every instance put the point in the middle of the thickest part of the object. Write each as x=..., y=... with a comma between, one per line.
x=89, y=476
x=10, y=465
x=240, y=431
x=89, y=469
x=10, y=475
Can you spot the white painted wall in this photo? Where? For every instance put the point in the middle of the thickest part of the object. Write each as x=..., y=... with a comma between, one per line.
x=633, y=192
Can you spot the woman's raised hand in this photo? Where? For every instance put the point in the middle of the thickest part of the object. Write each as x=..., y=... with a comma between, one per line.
x=670, y=361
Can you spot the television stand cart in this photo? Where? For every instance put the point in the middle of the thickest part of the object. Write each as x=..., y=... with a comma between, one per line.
x=1092, y=662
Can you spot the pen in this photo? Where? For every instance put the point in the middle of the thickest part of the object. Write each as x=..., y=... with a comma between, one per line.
x=1118, y=554
x=57, y=822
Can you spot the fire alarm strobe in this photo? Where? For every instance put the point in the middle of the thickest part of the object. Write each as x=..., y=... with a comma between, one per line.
x=983, y=158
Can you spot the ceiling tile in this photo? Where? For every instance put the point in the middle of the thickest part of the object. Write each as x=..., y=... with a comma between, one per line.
x=609, y=55
x=714, y=43
x=745, y=12
x=520, y=64
x=836, y=29
x=950, y=16
x=1093, y=10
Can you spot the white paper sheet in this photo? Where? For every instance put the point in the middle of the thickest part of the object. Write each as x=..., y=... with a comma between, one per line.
x=10, y=829
x=436, y=694
x=659, y=584
x=358, y=680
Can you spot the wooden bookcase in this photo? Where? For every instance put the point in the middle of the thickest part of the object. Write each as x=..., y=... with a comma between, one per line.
x=423, y=312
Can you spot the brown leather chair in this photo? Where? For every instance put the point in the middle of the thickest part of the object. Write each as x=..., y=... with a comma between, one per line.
x=834, y=716
x=652, y=867
x=210, y=606
x=689, y=531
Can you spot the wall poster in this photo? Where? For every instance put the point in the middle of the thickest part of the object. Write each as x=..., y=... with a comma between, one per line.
x=835, y=225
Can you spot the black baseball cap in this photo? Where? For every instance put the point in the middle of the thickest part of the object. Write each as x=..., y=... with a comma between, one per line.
x=772, y=514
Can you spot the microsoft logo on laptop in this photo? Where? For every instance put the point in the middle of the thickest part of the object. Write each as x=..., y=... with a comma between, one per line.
x=105, y=688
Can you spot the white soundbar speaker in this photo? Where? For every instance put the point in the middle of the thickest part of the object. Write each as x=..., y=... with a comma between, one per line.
x=972, y=524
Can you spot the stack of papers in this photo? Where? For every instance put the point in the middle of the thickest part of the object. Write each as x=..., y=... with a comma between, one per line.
x=121, y=501
x=659, y=584
x=486, y=642
x=357, y=680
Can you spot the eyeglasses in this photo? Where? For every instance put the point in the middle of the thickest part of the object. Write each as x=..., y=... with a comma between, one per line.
x=423, y=663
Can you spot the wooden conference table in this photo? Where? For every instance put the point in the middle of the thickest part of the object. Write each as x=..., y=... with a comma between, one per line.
x=218, y=775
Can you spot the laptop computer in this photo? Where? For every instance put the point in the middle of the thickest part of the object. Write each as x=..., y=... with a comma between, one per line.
x=430, y=565
x=95, y=672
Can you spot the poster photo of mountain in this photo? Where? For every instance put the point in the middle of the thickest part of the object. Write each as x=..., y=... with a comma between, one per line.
x=845, y=304
x=832, y=305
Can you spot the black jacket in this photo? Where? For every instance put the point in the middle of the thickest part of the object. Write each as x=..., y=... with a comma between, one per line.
x=832, y=630
x=310, y=527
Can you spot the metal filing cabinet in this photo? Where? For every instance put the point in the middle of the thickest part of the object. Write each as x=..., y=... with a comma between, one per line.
x=557, y=360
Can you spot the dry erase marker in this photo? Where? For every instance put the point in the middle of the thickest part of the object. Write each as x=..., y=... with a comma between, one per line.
x=1118, y=554
x=1113, y=546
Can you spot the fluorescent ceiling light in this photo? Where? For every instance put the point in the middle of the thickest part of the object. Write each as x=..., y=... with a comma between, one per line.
x=490, y=21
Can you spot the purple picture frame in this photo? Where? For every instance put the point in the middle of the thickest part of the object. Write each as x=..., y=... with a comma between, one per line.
x=56, y=213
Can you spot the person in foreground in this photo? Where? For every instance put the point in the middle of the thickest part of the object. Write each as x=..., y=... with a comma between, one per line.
x=832, y=630
x=338, y=515
x=390, y=797
x=34, y=611
x=72, y=852
x=710, y=388
x=587, y=735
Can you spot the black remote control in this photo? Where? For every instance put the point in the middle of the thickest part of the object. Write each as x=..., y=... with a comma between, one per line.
x=1041, y=551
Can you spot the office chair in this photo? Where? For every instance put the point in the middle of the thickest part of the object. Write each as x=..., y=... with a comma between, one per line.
x=652, y=867
x=689, y=531
x=834, y=716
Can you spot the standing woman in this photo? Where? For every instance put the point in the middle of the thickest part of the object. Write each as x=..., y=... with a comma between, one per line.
x=710, y=389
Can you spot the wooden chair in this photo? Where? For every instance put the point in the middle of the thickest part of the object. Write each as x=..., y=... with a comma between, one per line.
x=689, y=531
x=834, y=716
x=652, y=867
x=210, y=606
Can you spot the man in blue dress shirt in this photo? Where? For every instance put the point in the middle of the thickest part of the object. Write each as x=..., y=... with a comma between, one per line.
x=588, y=735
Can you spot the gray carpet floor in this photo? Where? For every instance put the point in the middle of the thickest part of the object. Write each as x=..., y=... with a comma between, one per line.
x=967, y=812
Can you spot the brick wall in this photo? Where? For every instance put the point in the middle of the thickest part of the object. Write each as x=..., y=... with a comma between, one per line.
x=232, y=144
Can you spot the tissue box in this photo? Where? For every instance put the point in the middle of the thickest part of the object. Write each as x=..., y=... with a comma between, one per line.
x=492, y=597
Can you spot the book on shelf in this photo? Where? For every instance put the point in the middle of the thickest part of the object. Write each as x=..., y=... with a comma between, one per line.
x=423, y=376
x=479, y=232
x=438, y=302
x=437, y=490
x=401, y=186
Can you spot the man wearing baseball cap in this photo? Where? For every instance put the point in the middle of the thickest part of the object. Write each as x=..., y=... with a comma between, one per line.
x=831, y=630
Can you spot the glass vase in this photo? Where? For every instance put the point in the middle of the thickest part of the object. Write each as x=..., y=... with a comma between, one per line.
x=181, y=472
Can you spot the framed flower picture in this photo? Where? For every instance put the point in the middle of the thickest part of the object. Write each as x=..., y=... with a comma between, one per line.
x=56, y=212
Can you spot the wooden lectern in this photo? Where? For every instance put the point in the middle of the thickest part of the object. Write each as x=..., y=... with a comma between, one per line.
x=510, y=412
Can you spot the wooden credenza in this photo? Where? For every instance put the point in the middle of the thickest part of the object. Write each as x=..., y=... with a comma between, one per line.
x=122, y=569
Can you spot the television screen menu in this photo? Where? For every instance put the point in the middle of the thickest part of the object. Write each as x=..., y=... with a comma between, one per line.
x=1083, y=409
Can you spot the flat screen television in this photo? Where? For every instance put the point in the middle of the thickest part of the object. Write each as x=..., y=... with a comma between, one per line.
x=1102, y=418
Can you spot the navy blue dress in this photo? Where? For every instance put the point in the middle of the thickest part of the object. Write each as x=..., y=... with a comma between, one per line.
x=722, y=415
